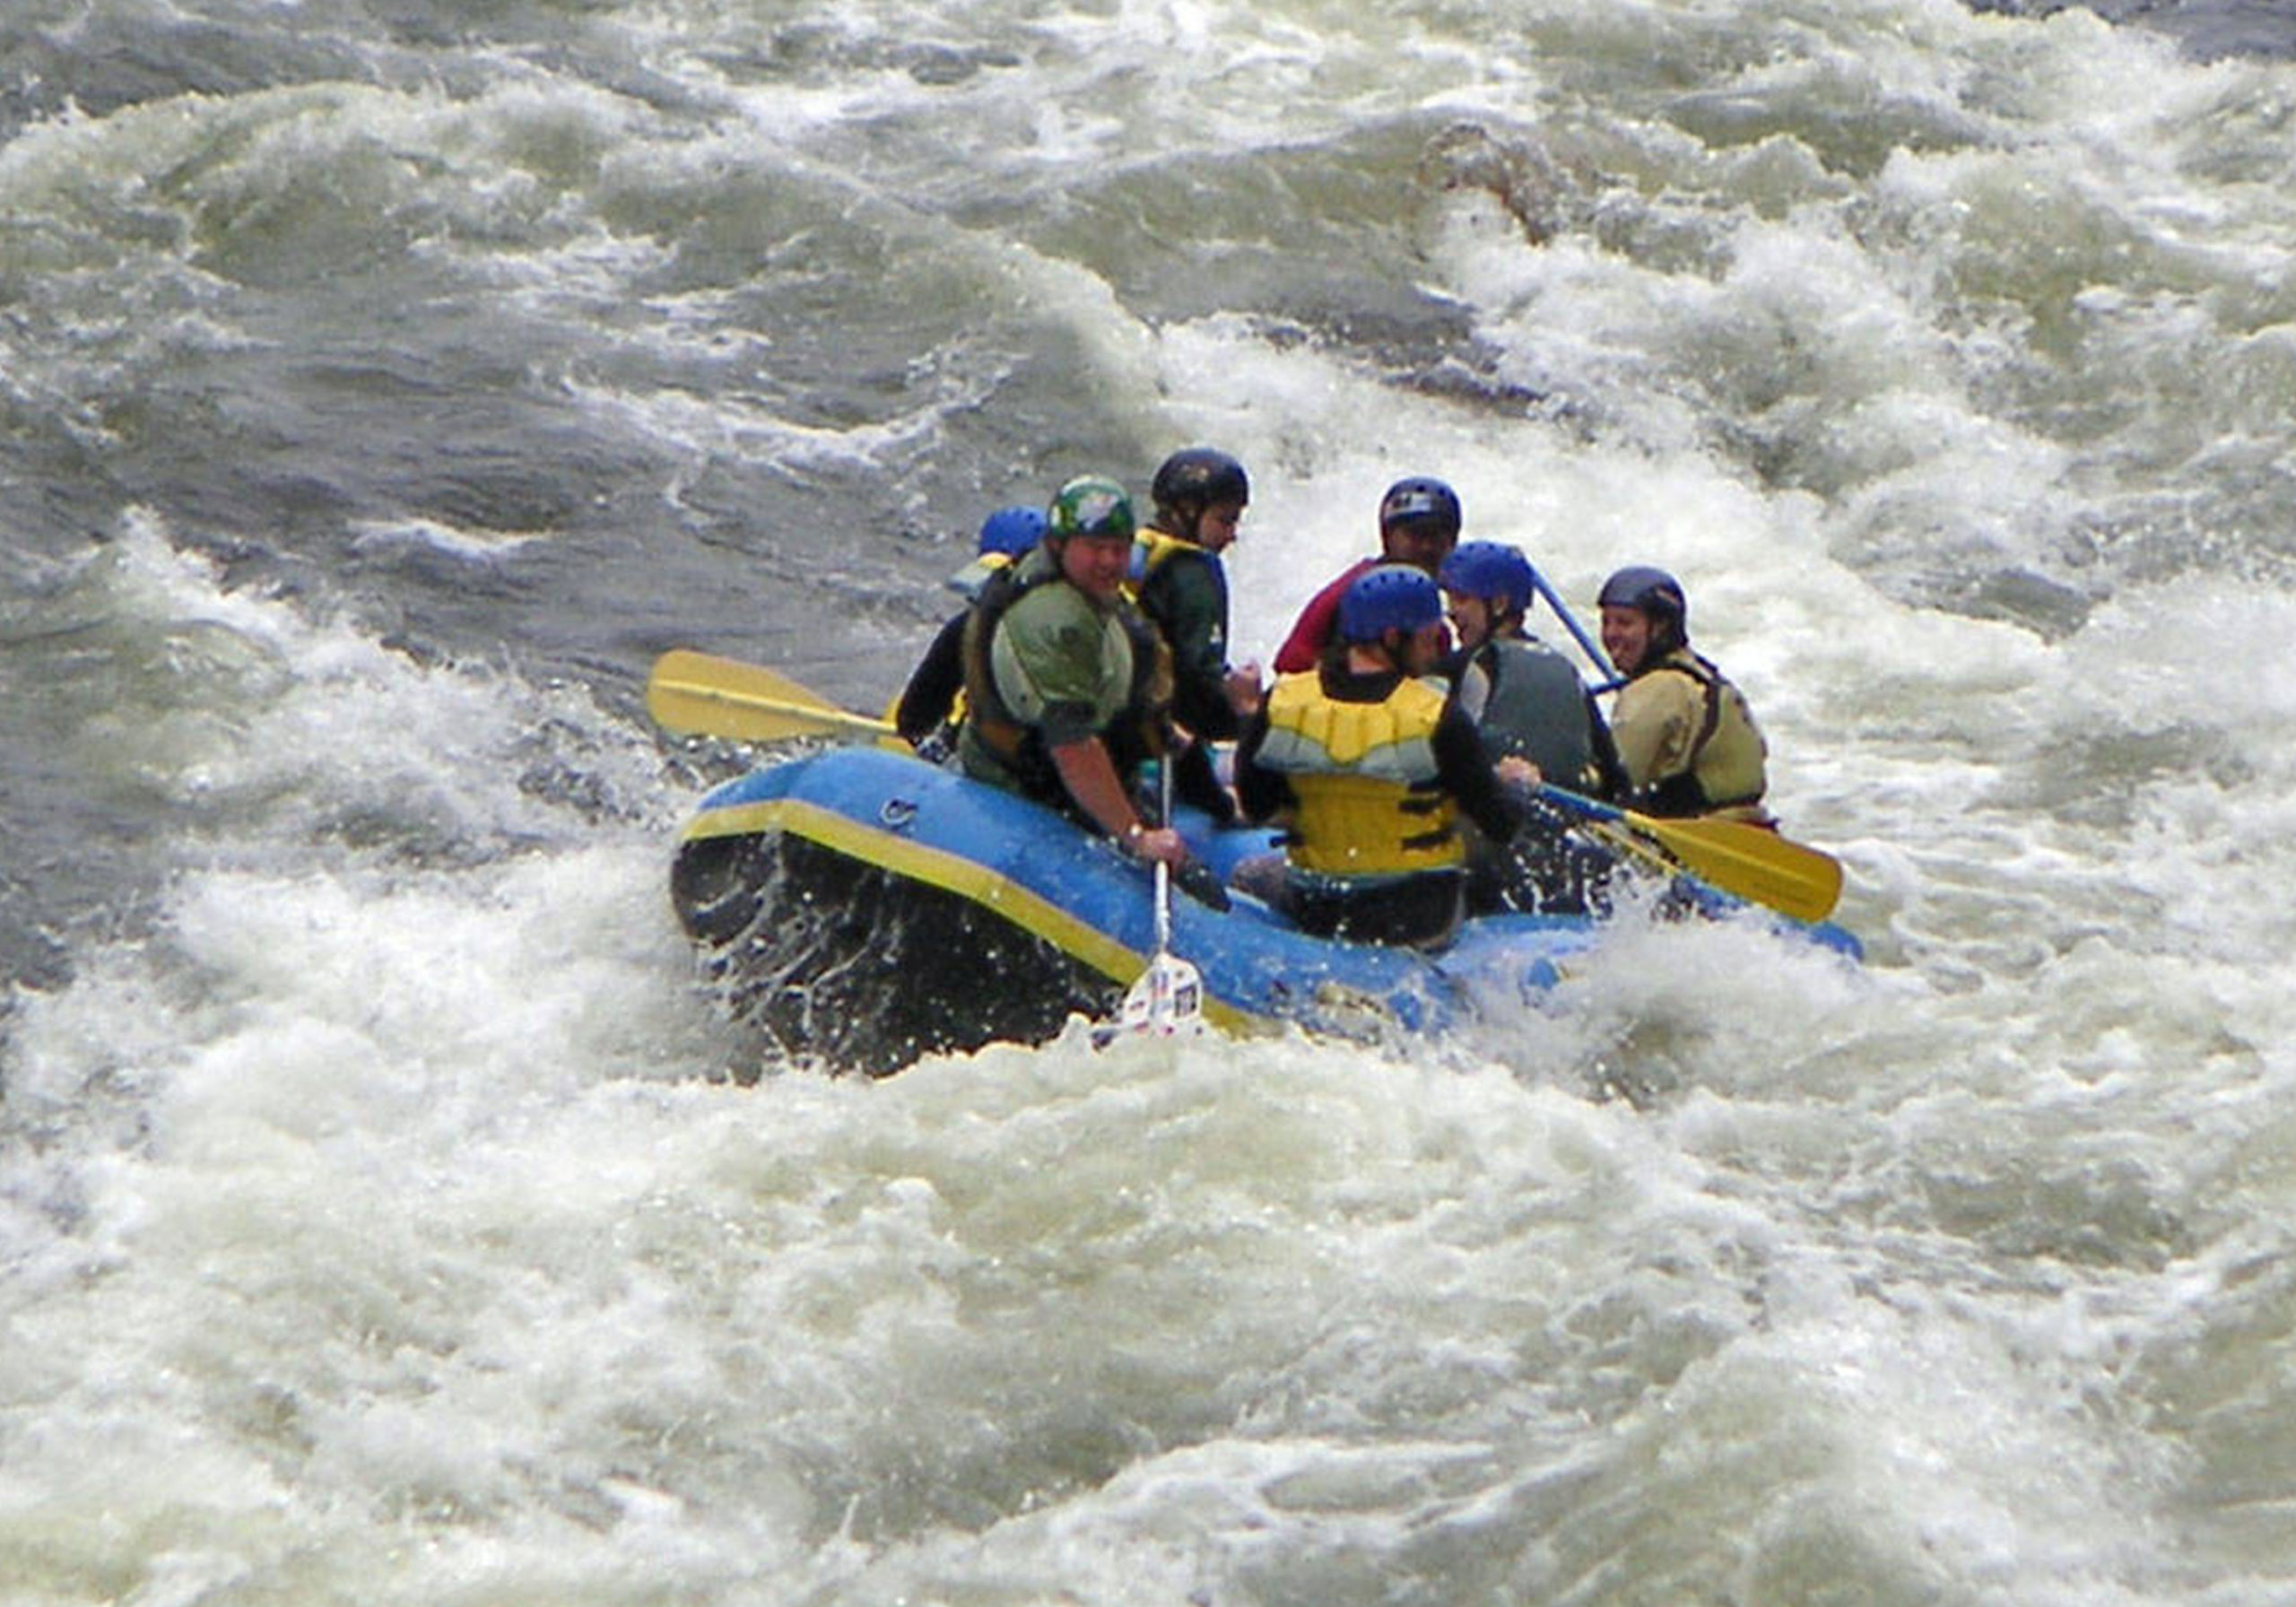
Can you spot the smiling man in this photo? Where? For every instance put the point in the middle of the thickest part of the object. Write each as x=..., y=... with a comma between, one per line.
x=1066, y=684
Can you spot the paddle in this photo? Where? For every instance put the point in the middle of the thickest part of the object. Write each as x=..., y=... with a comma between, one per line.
x=1749, y=862
x=701, y=694
x=1587, y=644
x=1167, y=999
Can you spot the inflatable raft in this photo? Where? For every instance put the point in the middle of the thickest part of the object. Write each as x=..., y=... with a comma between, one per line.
x=864, y=907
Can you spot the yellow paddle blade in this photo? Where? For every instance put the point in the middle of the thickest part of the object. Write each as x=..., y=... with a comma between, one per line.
x=1746, y=862
x=703, y=695
x=1750, y=862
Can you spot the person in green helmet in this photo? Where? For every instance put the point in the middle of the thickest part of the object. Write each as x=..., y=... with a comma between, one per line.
x=1066, y=684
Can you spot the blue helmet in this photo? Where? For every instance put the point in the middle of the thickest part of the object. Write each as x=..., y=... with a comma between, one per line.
x=1653, y=591
x=1392, y=596
x=1418, y=500
x=1011, y=531
x=1490, y=569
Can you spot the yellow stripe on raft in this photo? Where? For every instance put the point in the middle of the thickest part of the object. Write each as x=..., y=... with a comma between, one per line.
x=950, y=873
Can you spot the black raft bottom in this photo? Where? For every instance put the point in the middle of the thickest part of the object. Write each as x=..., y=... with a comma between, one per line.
x=836, y=962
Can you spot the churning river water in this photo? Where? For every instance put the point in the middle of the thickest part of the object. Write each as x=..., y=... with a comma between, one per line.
x=385, y=1217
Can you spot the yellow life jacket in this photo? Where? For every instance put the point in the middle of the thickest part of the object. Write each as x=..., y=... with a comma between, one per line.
x=1365, y=779
x=1151, y=549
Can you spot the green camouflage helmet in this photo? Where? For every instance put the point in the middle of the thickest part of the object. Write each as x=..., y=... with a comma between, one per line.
x=1091, y=505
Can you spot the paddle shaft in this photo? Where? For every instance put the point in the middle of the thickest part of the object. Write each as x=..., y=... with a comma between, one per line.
x=1168, y=997
x=1164, y=871
x=1587, y=644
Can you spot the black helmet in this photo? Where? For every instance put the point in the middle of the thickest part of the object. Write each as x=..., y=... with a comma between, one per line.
x=1201, y=475
x=1653, y=591
x=1421, y=500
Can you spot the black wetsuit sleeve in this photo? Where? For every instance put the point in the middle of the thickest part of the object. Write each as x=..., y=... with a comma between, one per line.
x=1614, y=786
x=1464, y=768
x=1262, y=792
x=934, y=684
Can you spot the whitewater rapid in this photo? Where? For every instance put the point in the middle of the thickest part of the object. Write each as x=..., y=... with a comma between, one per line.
x=387, y=1213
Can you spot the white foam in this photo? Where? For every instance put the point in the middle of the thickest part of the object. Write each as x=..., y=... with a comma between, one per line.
x=375, y=1229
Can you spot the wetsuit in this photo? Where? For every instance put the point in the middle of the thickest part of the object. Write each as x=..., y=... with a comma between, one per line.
x=929, y=700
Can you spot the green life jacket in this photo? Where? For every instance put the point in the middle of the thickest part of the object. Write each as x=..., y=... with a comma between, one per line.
x=1529, y=703
x=1160, y=561
x=1018, y=747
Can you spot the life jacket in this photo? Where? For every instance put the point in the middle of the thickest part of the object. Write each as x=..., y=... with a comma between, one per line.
x=931, y=709
x=1200, y=702
x=1529, y=703
x=1152, y=549
x=1134, y=734
x=1364, y=777
x=1726, y=766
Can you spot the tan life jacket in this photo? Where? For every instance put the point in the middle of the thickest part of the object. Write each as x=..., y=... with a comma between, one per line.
x=1725, y=771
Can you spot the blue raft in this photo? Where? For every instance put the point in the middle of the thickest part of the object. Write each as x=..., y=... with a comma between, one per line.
x=864, y=907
